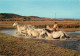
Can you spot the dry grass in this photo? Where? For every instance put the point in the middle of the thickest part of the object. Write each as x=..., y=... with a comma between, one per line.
x=70, y=29
x=64, y=25
x=10, y=45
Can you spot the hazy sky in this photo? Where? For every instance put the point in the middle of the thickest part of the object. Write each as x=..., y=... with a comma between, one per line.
x=42, y=8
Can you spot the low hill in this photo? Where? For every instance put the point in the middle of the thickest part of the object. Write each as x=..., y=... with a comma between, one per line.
x=10, y=16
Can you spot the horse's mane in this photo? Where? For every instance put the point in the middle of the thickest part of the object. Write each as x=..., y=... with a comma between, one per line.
x=49, y=31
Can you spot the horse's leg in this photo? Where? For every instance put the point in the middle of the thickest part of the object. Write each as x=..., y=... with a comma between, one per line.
x=61, y=37
x=66, y=35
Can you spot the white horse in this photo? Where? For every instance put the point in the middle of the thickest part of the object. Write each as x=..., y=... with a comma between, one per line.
x=20, y=27
x=33, y=33
x=56, y=34
x=27, y=29
x=41, y=31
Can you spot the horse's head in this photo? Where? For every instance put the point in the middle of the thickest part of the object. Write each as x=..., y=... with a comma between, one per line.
x=16, y=23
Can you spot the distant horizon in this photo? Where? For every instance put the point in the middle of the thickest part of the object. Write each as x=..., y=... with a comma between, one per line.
x=42, y=8
x=45, y=17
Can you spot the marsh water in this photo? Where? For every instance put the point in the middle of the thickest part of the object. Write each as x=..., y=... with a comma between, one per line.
x=70, y=44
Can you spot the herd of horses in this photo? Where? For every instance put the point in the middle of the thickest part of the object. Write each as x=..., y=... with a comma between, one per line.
x=33, y=32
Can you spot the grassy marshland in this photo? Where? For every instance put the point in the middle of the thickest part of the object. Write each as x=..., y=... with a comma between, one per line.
x=10, y=46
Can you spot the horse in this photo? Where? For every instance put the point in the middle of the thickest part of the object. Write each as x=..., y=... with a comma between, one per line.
x=25, y=29
x=56, y=34
x=20, y=28
x=35, y=32
x=32, y=33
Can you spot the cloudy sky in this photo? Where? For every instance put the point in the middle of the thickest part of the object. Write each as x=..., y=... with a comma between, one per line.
x=42, y=8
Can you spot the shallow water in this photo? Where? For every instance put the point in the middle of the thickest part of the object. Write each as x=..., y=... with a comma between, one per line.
x=74, y=45
x=9, y=31
x=12, y=31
